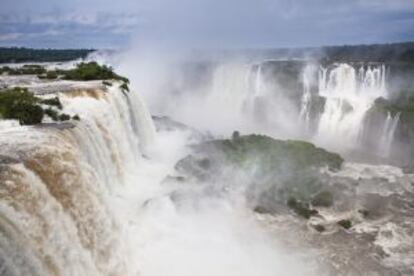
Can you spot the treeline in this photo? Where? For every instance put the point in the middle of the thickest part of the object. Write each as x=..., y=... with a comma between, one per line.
x=14, y=54
x=388, y=53
x=396, y=52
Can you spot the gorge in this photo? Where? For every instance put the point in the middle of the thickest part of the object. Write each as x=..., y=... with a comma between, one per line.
x=217, y=167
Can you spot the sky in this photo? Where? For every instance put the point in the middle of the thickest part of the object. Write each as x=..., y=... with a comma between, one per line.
x=115, y=24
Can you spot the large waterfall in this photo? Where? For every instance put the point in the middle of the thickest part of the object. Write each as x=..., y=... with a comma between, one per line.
x=56, y=212
x=286, y=99
x=349, y=94
x=105, y=195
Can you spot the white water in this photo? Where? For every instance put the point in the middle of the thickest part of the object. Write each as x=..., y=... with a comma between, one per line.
x=305, y=110
x=388, y=133
x=349, y=95
x=85, y=201
x=238, y=95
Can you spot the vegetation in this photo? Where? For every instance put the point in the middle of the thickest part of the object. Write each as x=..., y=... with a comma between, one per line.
x=275, y=171
x=124, y=87
x=24, y=70
x=92, y=71
x=301, y=208
x=14, y=54
x=402, y=52
x=345, y=223
x=273, y=154
x=19, y=104
x=404, y=104
x=55, y=101
x=86, y=72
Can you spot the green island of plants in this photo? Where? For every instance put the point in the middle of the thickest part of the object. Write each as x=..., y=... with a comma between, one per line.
x=275, y=171
x=87, y=72
x=20, y=104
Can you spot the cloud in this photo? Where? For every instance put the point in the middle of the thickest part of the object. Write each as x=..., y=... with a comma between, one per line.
x=215, y=23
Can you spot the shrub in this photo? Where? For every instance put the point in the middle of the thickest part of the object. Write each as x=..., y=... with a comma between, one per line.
x=26, y=113
x=76, y=117
x=51, y=75
x=53, y=102
x=92, y=71
x=64, y=117
x=124, y=87
x=20, y=104
x=53, y=114
x=345, y=223
x=300, y=208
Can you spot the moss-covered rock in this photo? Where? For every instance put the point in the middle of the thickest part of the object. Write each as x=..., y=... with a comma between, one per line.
x=271, y=154
x=273, y=170
x=320, y=228
x=322, y=199
x=301, y=208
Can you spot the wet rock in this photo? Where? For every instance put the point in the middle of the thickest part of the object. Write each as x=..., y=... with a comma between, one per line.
x=322, y=199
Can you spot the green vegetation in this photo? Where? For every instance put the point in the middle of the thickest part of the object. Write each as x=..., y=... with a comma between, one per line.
x=86, y=72
x=19, y=104
x=301, y=208
x=24, y=70
x=345, y=223
x=53, y=114
x=124, y=87
x=275, y=171
x=272, y=154
x=53, y=102
x=404, y=104
x=14, y=54
x=396, y=52
x=92, y=71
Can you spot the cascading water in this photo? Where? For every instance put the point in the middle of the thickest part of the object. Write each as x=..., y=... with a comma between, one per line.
x=388, y=133
x=242, y=99
x=349, y=95
x=306, y=101
x=55, y=214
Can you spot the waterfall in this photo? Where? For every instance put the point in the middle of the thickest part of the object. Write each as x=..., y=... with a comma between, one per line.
x=349, y=95
x=388, y=133
x=56, y=216
x=306, y=100
x=243, y=97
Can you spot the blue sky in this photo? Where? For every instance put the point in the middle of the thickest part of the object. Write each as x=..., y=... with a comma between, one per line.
x=204, y=23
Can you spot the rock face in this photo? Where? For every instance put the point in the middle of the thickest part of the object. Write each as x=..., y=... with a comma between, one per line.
x=272, y=171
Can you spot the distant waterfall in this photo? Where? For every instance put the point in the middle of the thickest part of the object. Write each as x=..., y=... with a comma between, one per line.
x=244, y=97
x=388, y=133
x=55, y=213
x=306, y=101
x=349, y=95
